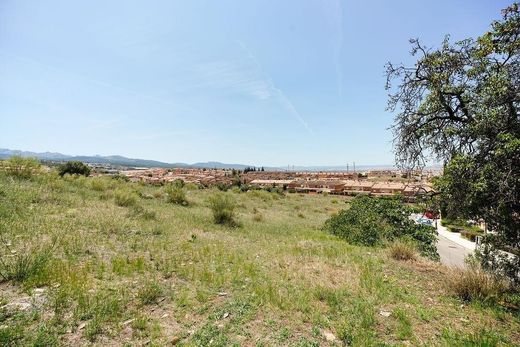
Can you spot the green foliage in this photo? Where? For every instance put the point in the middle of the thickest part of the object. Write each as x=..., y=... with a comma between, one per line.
x=74, y=168
x=460, y=103
x=26, y=266
x=223, y=207
x=124, y=198
x=98, y=184
x=21, y=167
x=175, y=193
x=119, y=177
x=372, y=221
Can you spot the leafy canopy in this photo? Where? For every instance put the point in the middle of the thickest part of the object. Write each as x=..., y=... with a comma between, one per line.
x=459, y=104
x=73, y=168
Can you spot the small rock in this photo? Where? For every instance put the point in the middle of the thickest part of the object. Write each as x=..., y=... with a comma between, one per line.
x=225, y=315
x=385, y=313
x=222, y=294
x=329, y=336
x=38, y=291
x=175, y=340
x=81, y=326
x=464, y=320
x=165, y=315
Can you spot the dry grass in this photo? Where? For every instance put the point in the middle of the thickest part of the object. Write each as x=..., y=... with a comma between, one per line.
x=475, y=284
x=151, y=272
x=402, y=250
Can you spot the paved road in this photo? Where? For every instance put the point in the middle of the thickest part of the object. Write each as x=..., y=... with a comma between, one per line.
x=452, y=254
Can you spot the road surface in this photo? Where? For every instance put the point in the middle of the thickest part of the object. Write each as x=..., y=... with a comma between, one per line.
x=451, y=253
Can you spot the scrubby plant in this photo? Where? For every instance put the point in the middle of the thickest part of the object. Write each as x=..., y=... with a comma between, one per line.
x=178, y=183
x=98, y=184
x=373, y=221
x=257, y=215
x=119, y=177
x=191, y=186
x=176, y=194
x=150, y=293
x=74, y=168
x=222, y=186
x=402, y=250
x=223, y=207
x=139, y=211
x=24, y=266
x=476, y=284
x=124, y=198
x=20, y=167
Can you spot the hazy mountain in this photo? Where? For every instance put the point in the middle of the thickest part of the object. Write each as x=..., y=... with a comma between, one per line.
x=124, y=161
x=114, y=160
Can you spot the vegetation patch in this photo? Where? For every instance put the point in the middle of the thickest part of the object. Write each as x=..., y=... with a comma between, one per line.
x=372, y=221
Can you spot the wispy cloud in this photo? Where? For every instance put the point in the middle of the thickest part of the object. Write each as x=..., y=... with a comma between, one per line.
x=276, y=92
x=235, y=76
x=246, y=77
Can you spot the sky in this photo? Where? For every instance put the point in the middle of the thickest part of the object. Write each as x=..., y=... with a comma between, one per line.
x=267, y=82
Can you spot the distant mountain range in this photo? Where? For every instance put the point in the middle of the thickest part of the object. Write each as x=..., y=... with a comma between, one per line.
x=115, y=160
x=123, y=161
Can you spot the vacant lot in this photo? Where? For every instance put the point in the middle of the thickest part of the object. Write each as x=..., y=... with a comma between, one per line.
x=104, y=262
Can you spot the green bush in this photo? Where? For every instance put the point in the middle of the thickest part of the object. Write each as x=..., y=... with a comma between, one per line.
x=98, y=184
x=119, y=177
x=27, y=265
x=124, y=198
x=373, y=221
x=20, y=167
x=73, y=168
x=223, y=207
x=176, y=194
x=178, y=183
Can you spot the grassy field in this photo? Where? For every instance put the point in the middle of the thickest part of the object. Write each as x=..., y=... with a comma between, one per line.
x=97, y=261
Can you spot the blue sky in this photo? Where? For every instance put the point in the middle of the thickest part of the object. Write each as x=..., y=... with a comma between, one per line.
x=265, y=82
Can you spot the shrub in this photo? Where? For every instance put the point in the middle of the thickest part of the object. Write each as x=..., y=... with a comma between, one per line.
x=125, y=199
x=475, y=284
x=26, y=265
x=176, y=194
x=222, y=186
x=119, y=177
x=98, y=185
x=257, y=216
x=402, y=250
x=73, y=168
x=373, y=221
x=20, y=167
x=191, y=186
x=223, y=207
x=178, y=183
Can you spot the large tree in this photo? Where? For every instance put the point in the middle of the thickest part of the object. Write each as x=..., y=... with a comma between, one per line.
x=459, y=105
